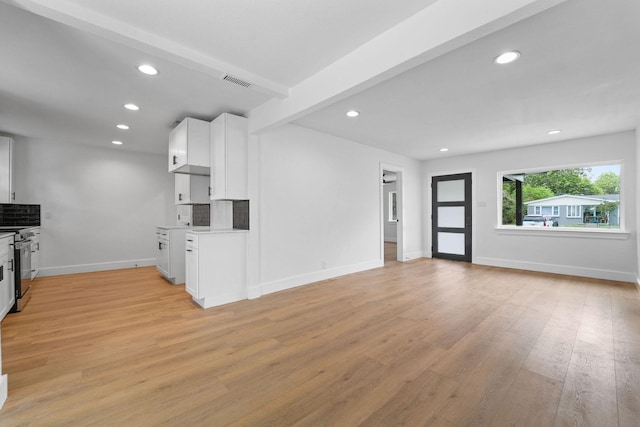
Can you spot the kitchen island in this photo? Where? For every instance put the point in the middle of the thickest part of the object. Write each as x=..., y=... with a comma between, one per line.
x=216, y=265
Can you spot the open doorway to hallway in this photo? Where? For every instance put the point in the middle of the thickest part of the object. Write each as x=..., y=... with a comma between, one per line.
x=391, y=217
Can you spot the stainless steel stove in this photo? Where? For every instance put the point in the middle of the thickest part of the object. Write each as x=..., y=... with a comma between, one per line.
x=23, y=246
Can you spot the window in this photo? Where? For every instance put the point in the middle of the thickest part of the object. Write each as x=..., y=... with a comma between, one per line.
x=544, y=211
x=393, y=209
x=574, y=211
x=580, y=197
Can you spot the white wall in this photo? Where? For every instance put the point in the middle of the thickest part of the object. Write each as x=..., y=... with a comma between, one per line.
x=637, y=205
x=579, y=254
x=320, y=207
x=104, y=203
x=390, y=228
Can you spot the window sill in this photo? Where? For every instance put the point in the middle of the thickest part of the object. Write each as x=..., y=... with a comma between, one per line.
x=564, y=232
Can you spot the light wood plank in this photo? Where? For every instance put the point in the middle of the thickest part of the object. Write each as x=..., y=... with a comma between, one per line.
x=427, y=342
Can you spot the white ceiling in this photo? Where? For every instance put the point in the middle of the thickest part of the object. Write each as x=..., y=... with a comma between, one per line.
x=579, y=72
x=69, y=65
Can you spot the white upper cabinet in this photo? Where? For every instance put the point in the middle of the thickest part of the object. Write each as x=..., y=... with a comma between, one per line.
x=6, y=170
x=191, y=189
x=189, y=147
x=229, y=151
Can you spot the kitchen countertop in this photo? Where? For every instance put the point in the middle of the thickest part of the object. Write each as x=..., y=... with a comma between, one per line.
x=180, y=227
x=209, y=230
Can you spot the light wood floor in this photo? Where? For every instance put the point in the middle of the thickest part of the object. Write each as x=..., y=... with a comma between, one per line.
x=390, y=252
x=428, y=342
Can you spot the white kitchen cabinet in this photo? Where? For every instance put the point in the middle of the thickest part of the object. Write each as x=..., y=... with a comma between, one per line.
x=170, y=253
x=229, y=158
x=6, y=170
x=216, y=266
x=35, y=253
x=189, y=147
x=7, y=285
x=191, y=189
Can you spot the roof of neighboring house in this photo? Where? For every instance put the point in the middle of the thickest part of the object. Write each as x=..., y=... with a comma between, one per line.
x=574, y=200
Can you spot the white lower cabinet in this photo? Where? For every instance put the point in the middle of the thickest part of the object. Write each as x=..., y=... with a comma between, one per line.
x=216, y=266
x=35, y=253
x=7, y=285
x=170, y=253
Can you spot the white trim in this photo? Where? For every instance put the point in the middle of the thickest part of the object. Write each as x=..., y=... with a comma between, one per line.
x=588, y=233
x=399, y=171
x=217, y=300
x=4, y=388
x=414, y=255
x=89, y=268
x=620, y=276
x=317, y=276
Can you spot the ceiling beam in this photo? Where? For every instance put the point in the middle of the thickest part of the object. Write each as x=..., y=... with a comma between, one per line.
x=85, y=19
x=439, y=28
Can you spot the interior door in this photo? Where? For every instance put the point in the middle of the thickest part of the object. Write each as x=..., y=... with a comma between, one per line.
x=451, y=217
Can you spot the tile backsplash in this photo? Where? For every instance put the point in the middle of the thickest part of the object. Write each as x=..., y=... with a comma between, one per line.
x=17, y=214
x=241, y=214
x=201, y=214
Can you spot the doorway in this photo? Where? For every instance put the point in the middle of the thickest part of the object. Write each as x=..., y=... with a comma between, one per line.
x=392, y=245
x=451, y=218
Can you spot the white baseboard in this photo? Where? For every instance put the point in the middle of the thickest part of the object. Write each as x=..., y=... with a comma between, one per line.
x=408, y=256
x=88, y=268
x=559, y=269
x=317, y=276
x=4, y=388
x=217, y=300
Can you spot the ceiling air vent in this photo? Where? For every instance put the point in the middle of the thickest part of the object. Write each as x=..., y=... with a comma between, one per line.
x=236, y=81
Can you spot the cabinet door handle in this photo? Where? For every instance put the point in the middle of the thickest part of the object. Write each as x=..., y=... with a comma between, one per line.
x=11, y=268
x=209, y=190
x=189, y=250
x=13, y=195
x=189, y=240
x=175, y=159
x=160, y=245
x=179, y=197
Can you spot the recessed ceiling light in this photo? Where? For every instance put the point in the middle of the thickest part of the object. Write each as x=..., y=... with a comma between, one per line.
x=123, y=127
x=444, y=149
x=353, y=113
x=553, y=132
x=116, y=142
x=507, y=57
x=147, y=69
x=132, y=107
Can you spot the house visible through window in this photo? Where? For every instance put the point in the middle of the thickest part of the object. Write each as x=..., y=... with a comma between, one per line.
x=584, y=197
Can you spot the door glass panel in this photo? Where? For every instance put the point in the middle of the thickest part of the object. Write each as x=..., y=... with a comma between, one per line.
x=451, y=191
x=451, y=217
x=451, y=243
